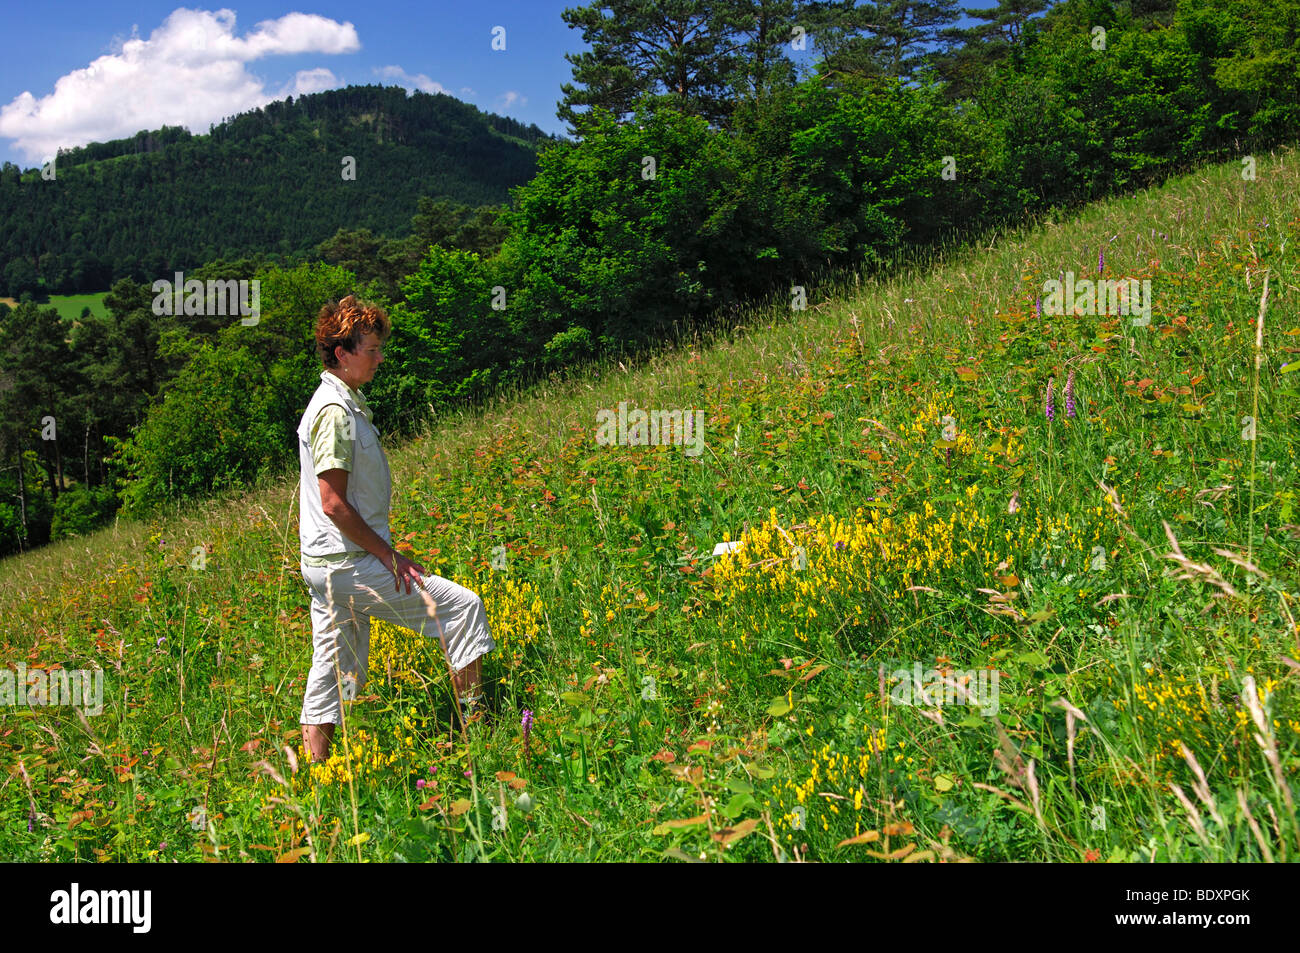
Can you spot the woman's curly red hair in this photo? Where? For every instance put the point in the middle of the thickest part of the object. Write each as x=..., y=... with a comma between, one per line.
x=344, y=323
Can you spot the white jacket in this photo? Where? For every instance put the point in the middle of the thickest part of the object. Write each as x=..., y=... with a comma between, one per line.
x=369, y=484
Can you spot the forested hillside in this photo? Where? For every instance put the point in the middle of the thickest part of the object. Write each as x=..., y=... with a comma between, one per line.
x=270, y=181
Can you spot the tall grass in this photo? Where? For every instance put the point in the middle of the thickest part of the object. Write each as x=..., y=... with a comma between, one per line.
x=1128, y=572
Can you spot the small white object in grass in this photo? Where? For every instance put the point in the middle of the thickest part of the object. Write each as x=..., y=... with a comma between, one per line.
x=721, y=548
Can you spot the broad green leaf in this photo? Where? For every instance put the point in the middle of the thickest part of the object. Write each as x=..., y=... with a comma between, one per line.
x=737, y=805
x=780, y=705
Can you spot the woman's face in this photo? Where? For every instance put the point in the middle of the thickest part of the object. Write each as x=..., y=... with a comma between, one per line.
x=363, y=364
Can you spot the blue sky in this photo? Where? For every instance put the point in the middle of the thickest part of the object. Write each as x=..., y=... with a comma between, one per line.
x=76, y=71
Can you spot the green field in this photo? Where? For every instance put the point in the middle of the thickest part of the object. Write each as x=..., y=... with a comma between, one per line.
x=70, y=306
x=1115, y=587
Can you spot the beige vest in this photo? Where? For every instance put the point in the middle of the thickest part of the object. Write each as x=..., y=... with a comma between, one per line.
x=369, y=484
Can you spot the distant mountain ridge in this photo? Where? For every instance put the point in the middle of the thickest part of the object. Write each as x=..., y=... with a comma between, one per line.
x=269, y=181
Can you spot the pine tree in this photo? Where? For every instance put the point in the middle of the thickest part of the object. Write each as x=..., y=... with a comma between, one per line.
x=882, y=38
x=974, y=50
x=699, y=56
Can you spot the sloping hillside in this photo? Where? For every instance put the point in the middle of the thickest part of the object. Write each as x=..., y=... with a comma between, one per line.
x=1110, y=583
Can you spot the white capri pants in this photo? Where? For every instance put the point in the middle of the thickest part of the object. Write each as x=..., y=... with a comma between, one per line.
x=346, y=595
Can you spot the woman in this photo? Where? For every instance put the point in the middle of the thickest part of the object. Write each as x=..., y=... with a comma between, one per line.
x=348, y=561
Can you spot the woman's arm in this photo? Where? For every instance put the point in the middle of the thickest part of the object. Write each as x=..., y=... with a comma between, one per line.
x=334, y=501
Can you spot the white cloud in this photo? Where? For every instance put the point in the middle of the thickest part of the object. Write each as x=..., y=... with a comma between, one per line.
x=466, y=91
x=189, y=72
x=316, y=80
x=511, y=98
x=402, y=78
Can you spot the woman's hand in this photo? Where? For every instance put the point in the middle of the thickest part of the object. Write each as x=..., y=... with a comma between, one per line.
x=404, y=570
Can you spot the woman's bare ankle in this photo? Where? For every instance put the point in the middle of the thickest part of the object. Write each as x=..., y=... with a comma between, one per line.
x=316, y=740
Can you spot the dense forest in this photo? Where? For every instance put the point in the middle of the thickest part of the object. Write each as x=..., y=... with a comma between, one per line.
x=704, y=173
x=271, y=181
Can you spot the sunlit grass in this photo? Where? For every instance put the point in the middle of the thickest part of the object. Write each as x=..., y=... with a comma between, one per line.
x=900, y=497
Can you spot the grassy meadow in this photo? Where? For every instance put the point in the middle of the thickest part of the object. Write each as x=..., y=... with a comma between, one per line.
x=70, y=306
x=1112, y=590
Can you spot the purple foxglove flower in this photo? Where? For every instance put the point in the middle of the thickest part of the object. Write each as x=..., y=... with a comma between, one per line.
x=1101, y=260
